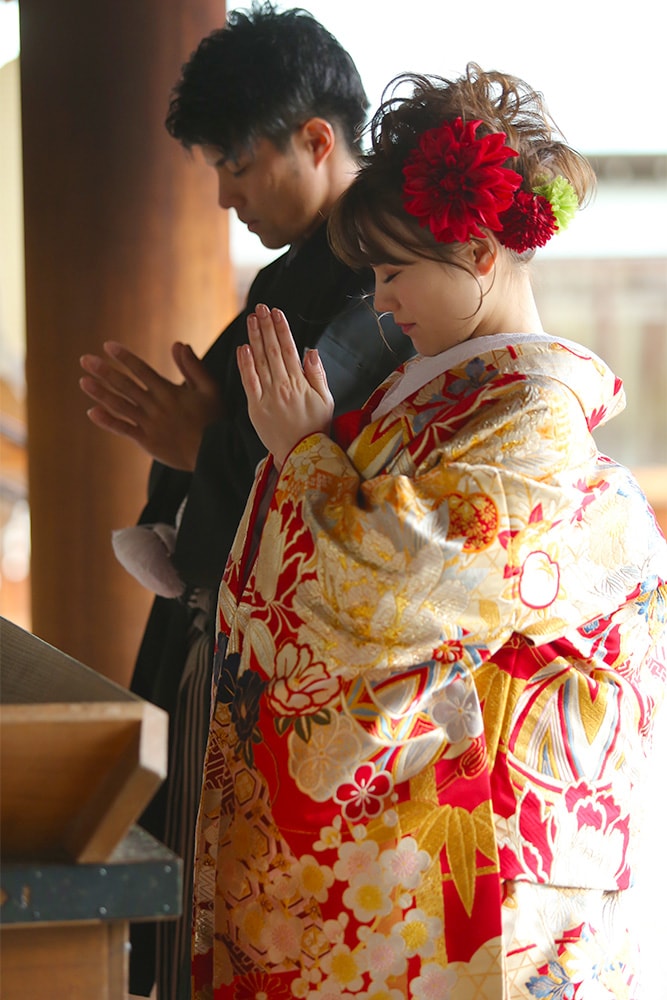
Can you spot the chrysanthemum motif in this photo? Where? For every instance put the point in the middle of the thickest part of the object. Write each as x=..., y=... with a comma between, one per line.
x=528, y=223
x=456, y=183
x=563, y=200
x=259, y=985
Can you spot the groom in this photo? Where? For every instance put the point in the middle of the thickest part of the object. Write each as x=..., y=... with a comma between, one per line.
x=274, y=104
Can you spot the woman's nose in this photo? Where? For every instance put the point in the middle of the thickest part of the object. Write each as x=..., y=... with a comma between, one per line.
x=382, y=299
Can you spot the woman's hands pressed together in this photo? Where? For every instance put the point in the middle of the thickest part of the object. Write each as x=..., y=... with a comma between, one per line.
x=286, y=401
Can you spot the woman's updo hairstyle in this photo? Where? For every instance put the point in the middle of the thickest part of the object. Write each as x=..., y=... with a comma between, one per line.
x=370, y=216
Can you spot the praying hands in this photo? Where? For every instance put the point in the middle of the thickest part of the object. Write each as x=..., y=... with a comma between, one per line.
x=287, y=401
x=167, y=420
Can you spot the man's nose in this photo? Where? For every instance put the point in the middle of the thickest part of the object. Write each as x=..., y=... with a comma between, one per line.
x=229, y=195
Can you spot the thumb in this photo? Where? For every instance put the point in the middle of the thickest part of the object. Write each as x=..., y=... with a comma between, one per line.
x=315, y=374
x=192, y=368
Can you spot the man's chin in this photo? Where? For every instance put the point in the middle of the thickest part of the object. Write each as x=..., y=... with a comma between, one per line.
x=272, y=241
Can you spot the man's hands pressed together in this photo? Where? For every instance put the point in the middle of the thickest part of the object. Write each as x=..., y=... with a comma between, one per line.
x=167, y=420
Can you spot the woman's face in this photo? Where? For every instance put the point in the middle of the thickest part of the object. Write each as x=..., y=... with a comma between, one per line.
x=437, y=305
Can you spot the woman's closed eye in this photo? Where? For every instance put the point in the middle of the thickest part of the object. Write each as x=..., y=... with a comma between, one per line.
x=384, y=275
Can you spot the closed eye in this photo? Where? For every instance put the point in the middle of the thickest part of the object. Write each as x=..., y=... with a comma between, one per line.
x=384, y=274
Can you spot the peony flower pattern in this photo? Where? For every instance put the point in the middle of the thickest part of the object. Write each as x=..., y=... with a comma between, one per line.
x=558, y=844
x=300, y=685
x=456, y=183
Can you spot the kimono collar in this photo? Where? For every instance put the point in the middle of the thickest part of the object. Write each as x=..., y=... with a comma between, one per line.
x=420, y=370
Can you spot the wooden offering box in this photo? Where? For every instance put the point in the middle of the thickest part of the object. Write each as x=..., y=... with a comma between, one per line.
x=80, y=758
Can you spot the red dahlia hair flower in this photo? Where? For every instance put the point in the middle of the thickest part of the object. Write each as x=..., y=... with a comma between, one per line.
x=455, y=183
x=528, y=223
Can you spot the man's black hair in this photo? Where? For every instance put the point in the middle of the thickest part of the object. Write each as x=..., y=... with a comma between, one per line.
x=262, y=76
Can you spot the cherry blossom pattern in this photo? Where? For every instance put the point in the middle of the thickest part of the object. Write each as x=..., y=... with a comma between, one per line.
x=458, y=711
x=365, y=794
x=386, y=954
x=434, y=982
x=344, y=968
x=405, y=863
x=419, y=933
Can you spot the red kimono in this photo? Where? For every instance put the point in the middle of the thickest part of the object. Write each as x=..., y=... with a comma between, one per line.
x=442, y=641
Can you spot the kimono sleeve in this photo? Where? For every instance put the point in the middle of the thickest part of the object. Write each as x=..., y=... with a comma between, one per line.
x=504, y=529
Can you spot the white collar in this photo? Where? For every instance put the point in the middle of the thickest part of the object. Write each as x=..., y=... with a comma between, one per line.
x=421, y=370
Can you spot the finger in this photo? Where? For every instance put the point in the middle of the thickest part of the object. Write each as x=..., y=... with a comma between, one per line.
x=147, y=375
x=314, y=372
x=248, y=372
x=290, y=355
x=273, y=350
x=109, y=377
x=256, y=345
x=102, y=418
x=192, y=369
x=110, y=401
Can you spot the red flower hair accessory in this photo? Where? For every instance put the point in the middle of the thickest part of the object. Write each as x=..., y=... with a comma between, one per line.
x=528, y=223
x=455, y=183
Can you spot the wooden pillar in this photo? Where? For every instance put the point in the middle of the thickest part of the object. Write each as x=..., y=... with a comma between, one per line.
x=124, y=241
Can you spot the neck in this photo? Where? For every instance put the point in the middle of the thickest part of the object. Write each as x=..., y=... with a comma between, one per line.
x=343, y=168
x=511, y=306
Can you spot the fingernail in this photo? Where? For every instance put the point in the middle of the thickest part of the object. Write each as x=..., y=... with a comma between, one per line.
x=252, y=321
x=278, y=314
x=262, y=310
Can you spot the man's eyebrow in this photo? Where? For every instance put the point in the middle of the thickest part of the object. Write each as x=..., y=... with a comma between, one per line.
x=233, y=157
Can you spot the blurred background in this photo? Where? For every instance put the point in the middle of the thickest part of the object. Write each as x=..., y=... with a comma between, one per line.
x=107, y=229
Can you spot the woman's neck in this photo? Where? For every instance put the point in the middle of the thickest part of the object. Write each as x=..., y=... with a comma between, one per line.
x=510, y=305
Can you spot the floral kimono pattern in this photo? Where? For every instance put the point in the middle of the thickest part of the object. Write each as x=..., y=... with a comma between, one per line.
x=442, y=642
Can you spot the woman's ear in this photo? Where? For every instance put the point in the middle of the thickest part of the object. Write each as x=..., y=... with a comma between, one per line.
x=319, y=137
x=484, y=256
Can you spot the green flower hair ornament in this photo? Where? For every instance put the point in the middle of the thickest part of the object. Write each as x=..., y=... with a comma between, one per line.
x=563, y=200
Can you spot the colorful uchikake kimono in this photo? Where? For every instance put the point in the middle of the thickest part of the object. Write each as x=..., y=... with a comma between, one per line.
x=442, y=641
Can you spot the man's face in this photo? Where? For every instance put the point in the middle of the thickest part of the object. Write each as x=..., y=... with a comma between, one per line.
x=277, y=194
